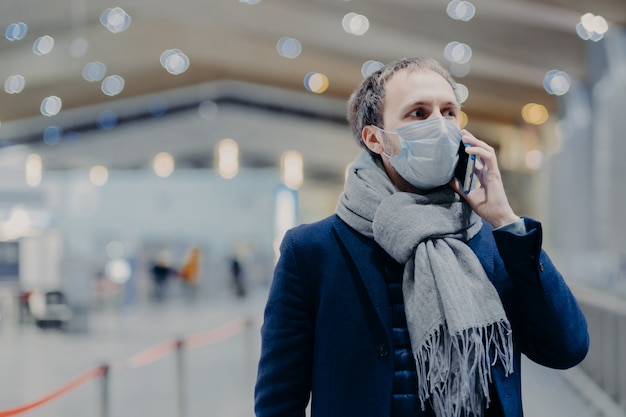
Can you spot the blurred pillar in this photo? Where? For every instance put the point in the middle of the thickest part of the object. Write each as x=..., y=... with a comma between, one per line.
x=608, y=98
x=587, y=187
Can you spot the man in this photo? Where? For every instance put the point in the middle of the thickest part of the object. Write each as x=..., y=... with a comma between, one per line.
x=414, y=298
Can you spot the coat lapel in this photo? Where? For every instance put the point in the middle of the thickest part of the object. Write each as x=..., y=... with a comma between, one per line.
x=364, y=255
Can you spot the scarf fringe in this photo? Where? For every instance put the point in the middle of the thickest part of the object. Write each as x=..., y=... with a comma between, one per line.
x=454, y=371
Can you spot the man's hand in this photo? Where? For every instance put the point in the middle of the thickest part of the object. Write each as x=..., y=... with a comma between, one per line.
x=489, y=200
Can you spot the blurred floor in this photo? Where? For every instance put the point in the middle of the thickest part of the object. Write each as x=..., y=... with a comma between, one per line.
x=218, y=378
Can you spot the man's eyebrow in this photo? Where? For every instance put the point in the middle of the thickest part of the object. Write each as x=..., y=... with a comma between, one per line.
x=428, y=103
x=416, y=104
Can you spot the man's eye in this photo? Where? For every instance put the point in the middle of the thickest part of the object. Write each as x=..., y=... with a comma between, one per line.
x=418, y=113
x=450, y=113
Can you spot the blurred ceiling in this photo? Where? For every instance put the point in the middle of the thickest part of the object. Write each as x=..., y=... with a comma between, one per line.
x=514, y=44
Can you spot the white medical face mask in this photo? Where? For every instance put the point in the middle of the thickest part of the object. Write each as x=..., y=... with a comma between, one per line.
x=429, y=152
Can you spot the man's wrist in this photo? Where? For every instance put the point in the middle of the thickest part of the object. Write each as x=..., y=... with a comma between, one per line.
x=517, y=227
x=505, y=220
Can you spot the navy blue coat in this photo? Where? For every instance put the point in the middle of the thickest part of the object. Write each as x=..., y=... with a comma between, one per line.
x=327, y=325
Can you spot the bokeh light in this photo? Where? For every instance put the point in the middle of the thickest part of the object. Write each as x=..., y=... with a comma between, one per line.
x=34, y=170
x=355, y=24
x=115, y=19
x=370, y=67
x=463, y=119
x=292, y=169
x=316, y=82
x=462, y=91
x=51, y=106
x=94, y=71
x=14, y=84
x=458, y=52
x=535, y=114
x=288, y=47
x=98, y=175
x=592, y=27
x=557, y=82
x=461, y=10
x=52, y=135
x=16, y=31
x=227, y=158
x=174, y=61
x=163, y=164
x=112, y=85
x=43, y=45
x=118, y=270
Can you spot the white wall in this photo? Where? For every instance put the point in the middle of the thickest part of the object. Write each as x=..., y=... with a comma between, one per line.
x=194, y=205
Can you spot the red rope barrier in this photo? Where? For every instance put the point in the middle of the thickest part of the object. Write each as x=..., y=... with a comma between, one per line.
x=92, y=373
x=143, y=358
x=218, y=334
x=152, y=354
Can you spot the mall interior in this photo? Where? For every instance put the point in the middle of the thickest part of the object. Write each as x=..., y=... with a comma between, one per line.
x=153, y=155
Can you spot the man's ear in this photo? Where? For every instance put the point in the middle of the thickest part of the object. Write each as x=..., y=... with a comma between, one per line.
x=369, y=134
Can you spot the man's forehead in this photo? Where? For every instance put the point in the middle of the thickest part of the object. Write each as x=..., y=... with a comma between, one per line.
x=406, y=87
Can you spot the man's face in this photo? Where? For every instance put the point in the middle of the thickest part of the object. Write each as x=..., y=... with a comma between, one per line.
x=416, y=95
x=411, y=96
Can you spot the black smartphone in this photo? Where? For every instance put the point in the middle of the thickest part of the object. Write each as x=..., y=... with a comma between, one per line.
x=464, y=171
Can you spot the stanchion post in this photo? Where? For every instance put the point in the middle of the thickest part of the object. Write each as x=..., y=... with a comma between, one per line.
x=104, y=391
x=180, y=377
x=248, y=350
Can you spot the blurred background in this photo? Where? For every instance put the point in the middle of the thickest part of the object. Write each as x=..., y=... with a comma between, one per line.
x=152, y=155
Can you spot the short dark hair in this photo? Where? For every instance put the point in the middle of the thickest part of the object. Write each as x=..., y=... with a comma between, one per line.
x=365, y=106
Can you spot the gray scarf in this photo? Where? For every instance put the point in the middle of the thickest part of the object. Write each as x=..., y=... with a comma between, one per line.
x=454, y=315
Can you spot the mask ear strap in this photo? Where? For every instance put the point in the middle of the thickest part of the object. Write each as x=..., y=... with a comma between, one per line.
x=383, y=153
x=384, y=131
x=380, y=140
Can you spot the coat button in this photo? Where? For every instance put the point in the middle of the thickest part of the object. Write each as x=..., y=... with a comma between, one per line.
x=383, y=350
x=541, y=266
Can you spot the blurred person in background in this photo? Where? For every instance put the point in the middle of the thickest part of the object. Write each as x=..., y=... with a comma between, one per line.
x=414, y=298
x=161, y=271
x=236, y=275
x=189, y=273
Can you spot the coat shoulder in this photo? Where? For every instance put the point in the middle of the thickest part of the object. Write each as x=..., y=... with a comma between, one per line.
x=319, y=232
x=330, y=229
